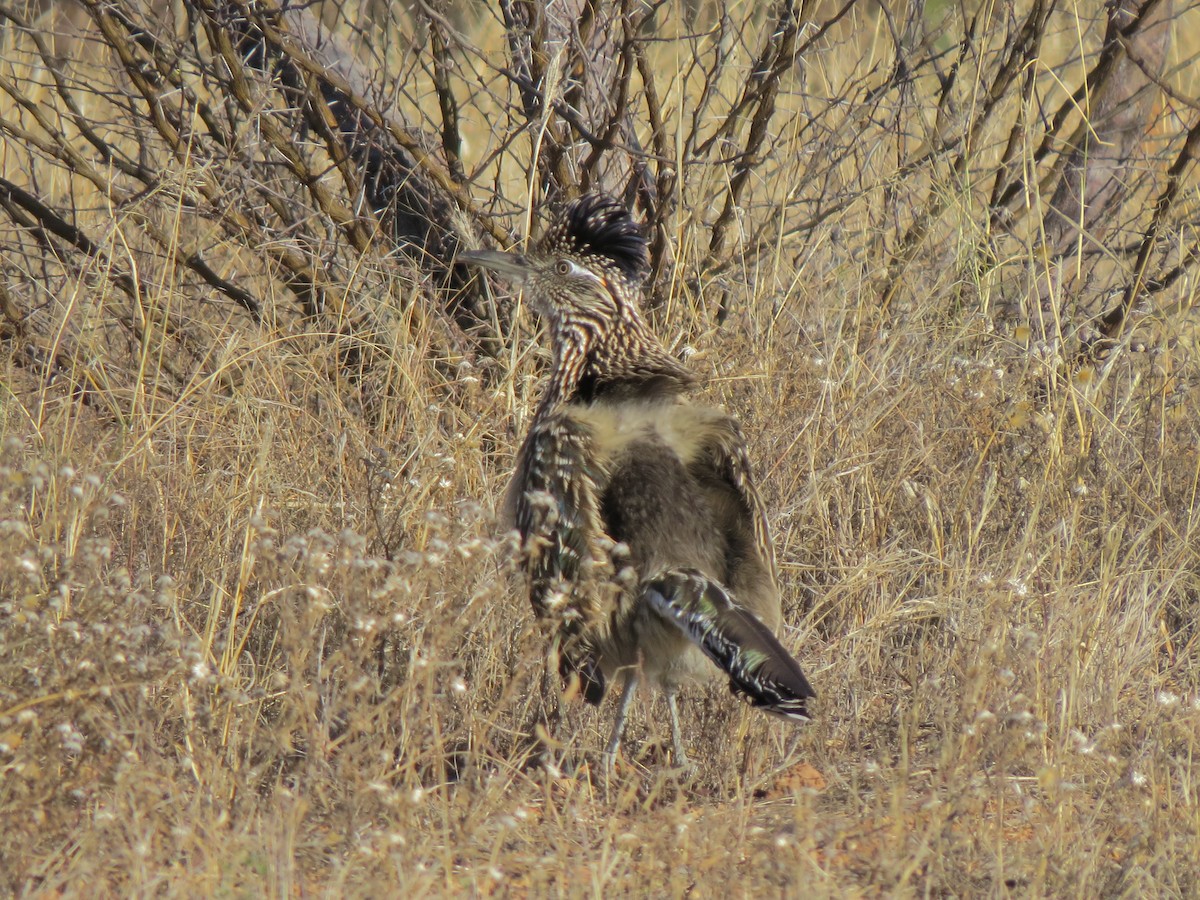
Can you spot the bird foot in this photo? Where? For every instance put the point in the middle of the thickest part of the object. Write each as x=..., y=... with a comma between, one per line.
x=682, y=761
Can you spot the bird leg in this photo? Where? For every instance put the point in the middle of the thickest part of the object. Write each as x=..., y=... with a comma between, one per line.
x=614, y=742
x=681, y=757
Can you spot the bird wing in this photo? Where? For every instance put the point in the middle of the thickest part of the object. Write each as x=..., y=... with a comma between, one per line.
x=732, y=464
x=758, y=666
x=555, y=509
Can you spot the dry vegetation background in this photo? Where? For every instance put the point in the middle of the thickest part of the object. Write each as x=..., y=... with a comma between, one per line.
x=258, y=632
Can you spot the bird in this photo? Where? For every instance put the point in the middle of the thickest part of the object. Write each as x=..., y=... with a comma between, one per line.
x=642, y=535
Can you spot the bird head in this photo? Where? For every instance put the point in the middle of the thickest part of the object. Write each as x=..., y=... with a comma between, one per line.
x=586, y=270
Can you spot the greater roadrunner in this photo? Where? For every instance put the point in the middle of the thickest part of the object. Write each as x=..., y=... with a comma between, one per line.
x=644, y=538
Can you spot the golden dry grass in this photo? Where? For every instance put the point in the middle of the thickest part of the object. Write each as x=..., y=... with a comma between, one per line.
x=255, y=641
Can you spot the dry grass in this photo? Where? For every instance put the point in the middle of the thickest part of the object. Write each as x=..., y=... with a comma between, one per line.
x=258, y=635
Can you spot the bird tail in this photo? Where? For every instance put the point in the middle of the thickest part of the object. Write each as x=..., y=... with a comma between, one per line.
x=758, y=666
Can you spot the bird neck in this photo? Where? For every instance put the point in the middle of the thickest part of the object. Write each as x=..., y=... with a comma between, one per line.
x=624, y=361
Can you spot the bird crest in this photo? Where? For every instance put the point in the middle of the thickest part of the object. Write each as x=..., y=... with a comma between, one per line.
x=598, y=228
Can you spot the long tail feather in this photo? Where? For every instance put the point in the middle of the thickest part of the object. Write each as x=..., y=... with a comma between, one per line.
x=758, y=666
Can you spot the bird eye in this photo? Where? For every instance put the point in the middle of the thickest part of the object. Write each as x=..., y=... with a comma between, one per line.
x=563, y=267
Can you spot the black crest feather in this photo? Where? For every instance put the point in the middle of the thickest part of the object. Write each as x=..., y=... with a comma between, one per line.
x=596, y=225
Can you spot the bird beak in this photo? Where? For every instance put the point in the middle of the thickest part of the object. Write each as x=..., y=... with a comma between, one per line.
x=513, y=266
